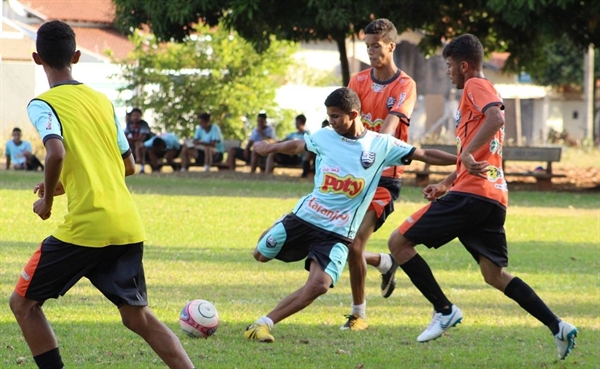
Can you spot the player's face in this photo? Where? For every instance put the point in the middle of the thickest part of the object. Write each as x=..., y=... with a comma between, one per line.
x=203, y=123
x=16, y=137
x=339, y=120
x=380, y=52
x=136, y=117
x=454, y=70
x=262, y=122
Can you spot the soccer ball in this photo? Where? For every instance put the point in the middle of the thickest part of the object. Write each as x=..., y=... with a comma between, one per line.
x=199, y=318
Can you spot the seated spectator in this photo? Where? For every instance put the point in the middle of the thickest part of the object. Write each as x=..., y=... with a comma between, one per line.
x=137, y=132
x=206, y=146
x=164, y=146
x=18, y=153
x=263, y=131
x=284, y=159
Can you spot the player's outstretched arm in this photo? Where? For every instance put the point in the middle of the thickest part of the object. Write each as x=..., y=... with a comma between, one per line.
x=265, y=148
x=434, y=157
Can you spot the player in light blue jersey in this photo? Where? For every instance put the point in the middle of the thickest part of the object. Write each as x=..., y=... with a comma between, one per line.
x=349, y=163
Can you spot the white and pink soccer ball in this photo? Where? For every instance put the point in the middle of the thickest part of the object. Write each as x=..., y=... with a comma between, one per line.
x=199, y=318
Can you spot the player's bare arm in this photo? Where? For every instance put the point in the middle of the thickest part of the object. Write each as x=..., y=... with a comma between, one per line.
x=286, y=147
x=390, y=125
x=55, y=154
x=433, y=191
x=494, y=120
x=39, y=189
x=434, y=157
x=129, y=163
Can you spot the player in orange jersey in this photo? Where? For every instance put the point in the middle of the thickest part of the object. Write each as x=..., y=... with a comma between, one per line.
x=473, y=206
x=388, y=97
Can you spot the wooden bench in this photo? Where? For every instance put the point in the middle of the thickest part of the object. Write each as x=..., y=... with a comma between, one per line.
x=543, y=177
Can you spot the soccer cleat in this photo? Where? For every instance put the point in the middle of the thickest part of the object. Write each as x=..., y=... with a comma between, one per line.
x=440, y=323
x=258, y=332
x=565, y=339
x=354, y=323
x=388, y=280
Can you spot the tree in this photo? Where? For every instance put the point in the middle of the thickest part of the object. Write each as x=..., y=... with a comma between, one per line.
x=212, y=70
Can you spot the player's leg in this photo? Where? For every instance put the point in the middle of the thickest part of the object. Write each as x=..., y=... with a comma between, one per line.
x=159, y=337
x=36, y=330
x=208, y=157
x=254, y=159
x=270, y=163
x=358, y=272
x=119, y=275
x=187, y=153
x=153, y=156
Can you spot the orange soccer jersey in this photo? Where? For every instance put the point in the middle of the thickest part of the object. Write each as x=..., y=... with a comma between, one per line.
x=379, y=98
x=479, y=94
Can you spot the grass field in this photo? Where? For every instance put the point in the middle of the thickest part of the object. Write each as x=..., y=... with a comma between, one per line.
x=201, y=232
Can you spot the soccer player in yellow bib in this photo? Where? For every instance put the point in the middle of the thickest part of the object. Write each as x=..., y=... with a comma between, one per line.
x=87, y=158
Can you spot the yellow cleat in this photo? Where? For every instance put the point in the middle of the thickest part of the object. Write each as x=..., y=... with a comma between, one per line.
x=355, y=323
x=258, y=332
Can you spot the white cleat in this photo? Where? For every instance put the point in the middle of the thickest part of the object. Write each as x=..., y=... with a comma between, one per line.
x=440, y=323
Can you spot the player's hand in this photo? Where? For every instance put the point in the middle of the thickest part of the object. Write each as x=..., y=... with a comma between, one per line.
x=476, y=168
x=262, y=148
x=432, y=192
x=39, y=189
x=42, y=208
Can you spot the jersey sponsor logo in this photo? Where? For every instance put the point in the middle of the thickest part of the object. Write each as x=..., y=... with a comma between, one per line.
x=271, y=242
x=494, y=173
x=327, y=169
x=495, y=146
x=390, y=102
x=347, y=185
x=367, y=159
x=472, y=98
x=457, y=118
x=324, y=212
x=25, y=276
x=49, y=122
x=376, y=87
x=350, y=141
x=401, y=99
x=361, y=78
x=372, y=126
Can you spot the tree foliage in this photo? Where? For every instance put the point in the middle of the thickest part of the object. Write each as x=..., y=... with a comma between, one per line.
x=213, y=70
x=520, y=27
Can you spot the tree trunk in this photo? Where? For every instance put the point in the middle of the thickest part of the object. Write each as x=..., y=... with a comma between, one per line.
x=341, y=44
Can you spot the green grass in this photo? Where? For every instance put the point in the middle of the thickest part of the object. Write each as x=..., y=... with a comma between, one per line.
x=201, y=233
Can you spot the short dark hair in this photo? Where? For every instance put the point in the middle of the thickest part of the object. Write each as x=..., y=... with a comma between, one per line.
x=55, y=44
x=383, y=27
x=134, y=110
x=158, y=142
x=325, y=123
x=344, y=99
x=263, y=116
x=301, y=118
x=16, y=129
x=465, y=48
x=204, y=116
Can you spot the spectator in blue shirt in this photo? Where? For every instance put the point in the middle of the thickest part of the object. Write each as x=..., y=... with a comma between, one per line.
x=285, y=159
x=19, y=153
x=263, y=131
x=137, y=132
x=206, y=146
x=164, y=146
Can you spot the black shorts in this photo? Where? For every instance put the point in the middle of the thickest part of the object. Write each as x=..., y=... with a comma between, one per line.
x=116, y=271
x=217, y=157
x=293, y=239
x=393, y=186
x=239, y=154
x=285, y=159
x=478, y=224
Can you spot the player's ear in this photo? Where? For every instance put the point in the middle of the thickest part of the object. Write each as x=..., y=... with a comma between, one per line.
x=36, y=58
x=76, y=56
x=464, y=66
x=392, y=46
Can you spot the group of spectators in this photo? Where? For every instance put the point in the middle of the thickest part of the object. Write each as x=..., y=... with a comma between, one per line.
x=206, y=147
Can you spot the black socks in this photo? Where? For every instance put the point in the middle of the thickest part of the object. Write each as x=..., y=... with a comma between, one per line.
x=421, y=276
x=49, y=360
x=526, y=297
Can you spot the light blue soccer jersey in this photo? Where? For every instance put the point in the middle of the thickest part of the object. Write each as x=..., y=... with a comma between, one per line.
x=213, y=134
x=171, y=141
x=346, y=175
x=16, y=151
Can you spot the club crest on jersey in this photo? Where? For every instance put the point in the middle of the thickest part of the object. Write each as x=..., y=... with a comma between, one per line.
x=271, y=242
x=367, y=159
x=390, y=102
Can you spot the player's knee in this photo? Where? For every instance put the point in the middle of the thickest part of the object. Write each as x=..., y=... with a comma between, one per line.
x=356, y=248
x=318, y=287
x=20, y=305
